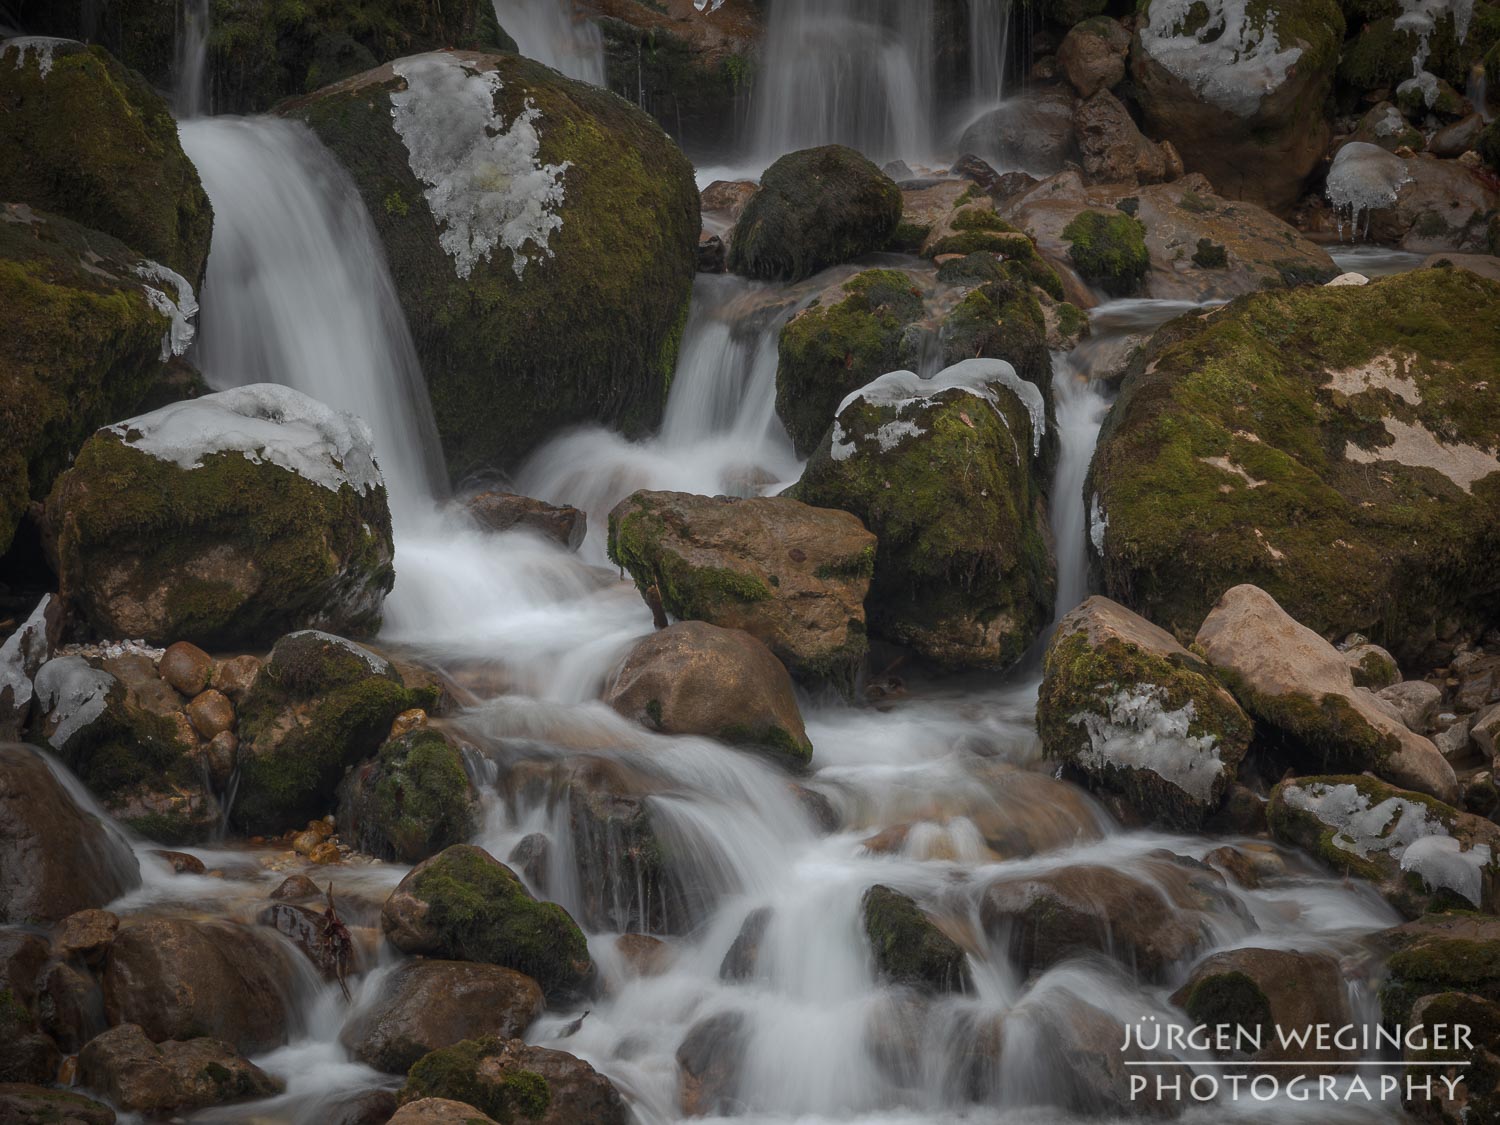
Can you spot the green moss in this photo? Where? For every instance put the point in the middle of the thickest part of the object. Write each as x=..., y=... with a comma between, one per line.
x=1380, y=55
x=414, y=800
x=688, y=592
x=834, y=348
x=1210, y=255
x=815, y=208
x=1000, y=320
x=1080, y=677
x=1383, y=551
x=908, y=948
x=93, y=143
x=455, y=1073
x=1195, y=204
x=481, y=912
x=1231, y=999
x=695, y=95
x=590, y=333
x=908, y=238
x=1439, y=964
x=1071, y=320
x=1375, y=671
x=1109, y=251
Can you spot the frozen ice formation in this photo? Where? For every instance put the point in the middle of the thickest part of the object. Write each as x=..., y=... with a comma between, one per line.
x=42, y=45
x=21, y=655
x=486, y=184
x=1098, y=523
x=1365, y=178
x=1230, y=59
x=905, y=388
x=1138, y=732
x=267, y=423
x=179, y=310
x=708, y=5
x=72, y=693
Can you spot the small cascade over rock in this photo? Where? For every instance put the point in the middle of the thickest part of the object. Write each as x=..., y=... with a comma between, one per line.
x=553, y=32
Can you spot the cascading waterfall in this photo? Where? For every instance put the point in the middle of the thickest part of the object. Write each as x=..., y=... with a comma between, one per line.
x=553, y=32
x=190, y=69
x=854, y=72
x=989, y=50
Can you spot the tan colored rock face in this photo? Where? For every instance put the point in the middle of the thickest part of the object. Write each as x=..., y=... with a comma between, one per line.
x=1295, y=680
x=186, y=667
x=695, y=678
x=439, y=1111
x=1093, y=55
x=142, y=1076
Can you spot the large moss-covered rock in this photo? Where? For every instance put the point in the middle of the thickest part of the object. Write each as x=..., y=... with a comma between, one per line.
x=1439, y=953
x=412, y=801
x=320, y=705
x=1239, y=89
x=225, y=520
x=1334, y=446
x=85, y=138
x=792, y=575
x=1422, y=854
x=175, y=1076
x=1109, y=250
x=83, y=337
x=1381, y=54
x=841, y=342
x=815, y=208
x=908, y=947
x=554, y=293
x=943, y=472
x=1131, y=710
x=515, y=1082
x=465, y=905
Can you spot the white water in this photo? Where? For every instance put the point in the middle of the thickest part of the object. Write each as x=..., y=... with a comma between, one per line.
x=191, y=64
x=989, y=51
x=553, y=32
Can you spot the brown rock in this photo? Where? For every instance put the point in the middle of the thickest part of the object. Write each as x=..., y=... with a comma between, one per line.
x=221, y=755
x=407, y=721
x=708, y=1063
x=307, y=929
x=580, y=1095
x=427, y=1005
x=375, y=1107
x=22, y=1104
x=178, y=978
x=235, y=676
x=1092, y=55
x=71, y=1006
x=186, y=667
x=85, y=935
x=696, y=678
x=505, y=511
x=145, y=1077
x=1033, y=131
x=211, y=713
x=1114, y=150
x=55, y=859
x=439, y=1111
x=295, y=887
x=181, y=863
x=644, y=955
x=325, y=853
x=729, y=197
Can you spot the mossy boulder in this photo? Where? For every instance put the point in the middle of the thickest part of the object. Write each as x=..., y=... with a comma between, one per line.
x=696, y=678
x=81, y=345
x=512, y=1081
x=1421, y=854
x=815, y=208
x=141, y=765
x=908, y=947
x=791, y=575
x=320, y=705
x=1439, y=953
x=1380, y=54
x=1133, y=712
x=225, y=520
x=1002, y=319
x=1334, y=446
x=45, y=1104
x=552, y=297
x=1109, y=250
x=838, y=344
x=943, y=471
x=465, y=905
x=412, y=801
x=1240, y=89
x=85, y=138
x=1473, y=1065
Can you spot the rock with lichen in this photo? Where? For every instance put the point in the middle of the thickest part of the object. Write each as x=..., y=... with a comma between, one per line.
x=945, y=472
x=1334, y=446
x=511, y=1080
x=1127, y=708
x=410, y=801
x=556, y=300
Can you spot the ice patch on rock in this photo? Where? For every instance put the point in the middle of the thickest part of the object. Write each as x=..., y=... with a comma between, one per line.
x=267, y=423
x=902, y=389
x=1364, y=178
x=1420, y=17
x=1138, y=732
x=1098, y=523
x=1443, y=864
x=23, y=652
x=706, y=6
x=72, y=693
x=179, y=310
x=1230, y=60
x=42, y=45
x=486, y=185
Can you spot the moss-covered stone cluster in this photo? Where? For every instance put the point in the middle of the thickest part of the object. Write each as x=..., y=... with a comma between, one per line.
x=318, y=707
x=412, y=801
x=458, y=1074
x=815, y=208
x=908, y=947
x=963, y=573
x=91, y=142
x=1109, y=250
x=231, y=552
x=1433, y=959
x=589, y=333
x=1379, y=54
x=1289, y=440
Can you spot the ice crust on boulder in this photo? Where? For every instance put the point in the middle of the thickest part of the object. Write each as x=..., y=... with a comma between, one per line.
x=1365, y=178
x=1138, y=732
x=72, y=693
x=904, y=389
x=487, y=186
x=378, y=665
x=21, y=655
x=179, y=309
x=42, y=46
x=1231, y=60
x=267, y=423
x=1098, y=523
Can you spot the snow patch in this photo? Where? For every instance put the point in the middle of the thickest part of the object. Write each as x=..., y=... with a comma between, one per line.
x=1098, y=523
x=42, y=45
x=1364, y=178
x=1443, y=864
x=72, y=693
x=1231, y=60
x=486, y=185
x=1138, y=732
x=23, y=653
x=179, y=310
x=267, y=423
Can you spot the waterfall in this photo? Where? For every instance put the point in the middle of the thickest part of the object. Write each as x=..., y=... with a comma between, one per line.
x=298, y=292
x=1080, y=413
x=190, y=68
x=854, y=72
x=989, y=50
x=553, y=32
